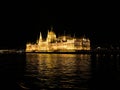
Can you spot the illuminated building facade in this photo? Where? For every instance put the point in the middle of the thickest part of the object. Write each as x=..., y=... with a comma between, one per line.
x=61, y=43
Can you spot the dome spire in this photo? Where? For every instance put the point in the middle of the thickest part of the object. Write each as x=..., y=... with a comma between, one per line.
x=51, y=28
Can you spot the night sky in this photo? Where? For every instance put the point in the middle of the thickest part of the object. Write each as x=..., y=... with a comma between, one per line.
x=22, y=23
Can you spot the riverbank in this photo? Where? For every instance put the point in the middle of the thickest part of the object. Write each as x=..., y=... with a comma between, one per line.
x=81, y=52
x=65, y=52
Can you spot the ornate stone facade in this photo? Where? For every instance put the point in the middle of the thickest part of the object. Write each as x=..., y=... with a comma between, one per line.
x=62, y=43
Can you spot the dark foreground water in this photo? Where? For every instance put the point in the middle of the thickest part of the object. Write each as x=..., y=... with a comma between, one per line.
x=59, y=71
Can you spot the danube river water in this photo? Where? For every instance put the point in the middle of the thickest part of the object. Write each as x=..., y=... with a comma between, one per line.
x=36, y=71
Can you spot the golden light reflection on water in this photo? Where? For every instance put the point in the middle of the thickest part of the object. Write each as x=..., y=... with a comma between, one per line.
x=59, y=70
x=58, y=64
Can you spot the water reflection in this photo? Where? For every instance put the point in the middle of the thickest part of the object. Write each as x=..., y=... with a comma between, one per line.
x=76, y=71
x=59, y=70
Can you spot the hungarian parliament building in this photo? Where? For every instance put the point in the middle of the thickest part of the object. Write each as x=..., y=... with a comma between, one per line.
x=61, y=43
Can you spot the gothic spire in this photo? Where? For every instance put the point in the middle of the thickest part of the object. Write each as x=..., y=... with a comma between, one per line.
x=40, y=38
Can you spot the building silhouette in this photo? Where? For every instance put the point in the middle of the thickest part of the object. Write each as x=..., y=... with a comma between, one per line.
x=61, y=43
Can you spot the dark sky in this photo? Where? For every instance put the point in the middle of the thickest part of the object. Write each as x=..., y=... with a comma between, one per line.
x=21, y=23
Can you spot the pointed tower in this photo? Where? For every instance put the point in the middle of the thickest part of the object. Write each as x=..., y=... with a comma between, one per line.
x=40, y=38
